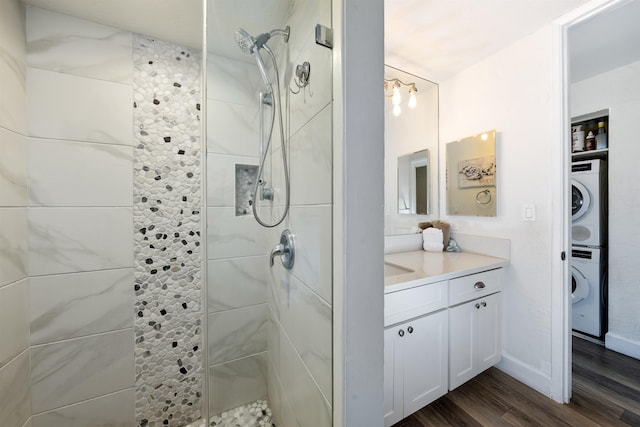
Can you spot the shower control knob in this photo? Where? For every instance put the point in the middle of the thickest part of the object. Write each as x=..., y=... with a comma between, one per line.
x=267, y=194
x=286, y=250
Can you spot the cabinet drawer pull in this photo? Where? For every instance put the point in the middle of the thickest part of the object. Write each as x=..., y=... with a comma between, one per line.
x=410, y=329
x=483, y=303
x=477, y=305
x=401, y=332
x=479, y=285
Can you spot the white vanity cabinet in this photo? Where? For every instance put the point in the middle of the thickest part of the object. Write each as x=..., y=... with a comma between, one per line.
x=442, y=321
x=416, y=355
x=475, y=332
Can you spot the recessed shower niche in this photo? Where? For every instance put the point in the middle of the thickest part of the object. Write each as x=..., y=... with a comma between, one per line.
x=246, y=176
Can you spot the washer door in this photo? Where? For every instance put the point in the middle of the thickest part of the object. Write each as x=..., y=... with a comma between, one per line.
x=580, y=200
x=579, y=286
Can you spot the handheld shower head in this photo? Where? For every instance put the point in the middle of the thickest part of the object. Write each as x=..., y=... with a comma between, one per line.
x=252, y=45
x=249, y=44
x=245, y=41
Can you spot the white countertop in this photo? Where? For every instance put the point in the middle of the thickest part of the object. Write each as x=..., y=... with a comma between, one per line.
x=431, y=267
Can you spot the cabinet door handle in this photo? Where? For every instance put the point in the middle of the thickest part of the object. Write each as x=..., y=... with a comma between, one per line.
x=410, y=329
x=484, y=304
x=479, y=285
x=477, y=305
x=401, y=332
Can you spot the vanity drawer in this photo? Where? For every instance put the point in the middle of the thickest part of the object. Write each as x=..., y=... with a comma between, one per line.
x=409, y=303
x=474, y=286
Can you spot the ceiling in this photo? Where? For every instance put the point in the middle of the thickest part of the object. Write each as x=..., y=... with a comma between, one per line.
x=609, y=40
x=433, y=39
x=436, y=39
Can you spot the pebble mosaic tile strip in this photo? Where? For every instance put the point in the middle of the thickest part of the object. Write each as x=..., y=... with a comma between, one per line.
x=166, y=205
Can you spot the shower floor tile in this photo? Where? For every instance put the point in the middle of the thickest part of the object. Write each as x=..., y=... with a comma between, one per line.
x=256, y=414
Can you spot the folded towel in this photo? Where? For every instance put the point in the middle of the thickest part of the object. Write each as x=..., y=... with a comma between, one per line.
x=432, y=240
x=446, y=231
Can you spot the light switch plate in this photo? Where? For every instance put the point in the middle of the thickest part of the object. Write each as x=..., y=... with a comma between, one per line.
x=529, y=212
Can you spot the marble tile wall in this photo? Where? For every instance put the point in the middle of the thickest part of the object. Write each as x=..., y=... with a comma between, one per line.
x=67, y=372
x=241, y=379
x=114, y=307
x=80, y=220
x=15, y=391
x=15, y=388
x=237, y=262
x=112, y=410
x=298, y=323
x=12, y=67
x=300, y=300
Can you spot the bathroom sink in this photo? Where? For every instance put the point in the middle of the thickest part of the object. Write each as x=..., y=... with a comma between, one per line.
x=395, y=270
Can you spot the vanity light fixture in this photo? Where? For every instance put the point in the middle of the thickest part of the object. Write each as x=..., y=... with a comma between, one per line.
x=393, y=86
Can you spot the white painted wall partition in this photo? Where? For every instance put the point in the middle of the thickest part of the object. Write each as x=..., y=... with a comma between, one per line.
x=358, y=221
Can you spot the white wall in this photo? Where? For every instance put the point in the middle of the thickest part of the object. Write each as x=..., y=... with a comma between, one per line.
x=15, y=392
x=511, y=91
x=358, y=241
x=619, y=90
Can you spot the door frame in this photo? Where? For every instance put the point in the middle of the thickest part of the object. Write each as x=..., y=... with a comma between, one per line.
x=561, y=358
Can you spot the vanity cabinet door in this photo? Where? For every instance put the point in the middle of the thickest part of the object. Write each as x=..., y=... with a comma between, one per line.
x=393, y=375
x=489, y=331
x=415, y=365
x=426, y=361
x=462, y=348
x=475, y=338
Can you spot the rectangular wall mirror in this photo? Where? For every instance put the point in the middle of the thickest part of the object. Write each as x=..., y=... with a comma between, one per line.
x=411, y=151
x=471, y=176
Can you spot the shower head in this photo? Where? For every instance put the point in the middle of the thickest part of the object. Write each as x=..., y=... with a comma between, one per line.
x=245, y=41
x=252, y=45
x=249, y=44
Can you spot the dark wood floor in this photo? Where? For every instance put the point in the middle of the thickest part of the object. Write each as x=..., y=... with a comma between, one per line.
x=606, y=392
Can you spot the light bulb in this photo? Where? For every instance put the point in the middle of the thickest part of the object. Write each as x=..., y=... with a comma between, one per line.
x=397, y=110
x=396, y=99
x=412, y=99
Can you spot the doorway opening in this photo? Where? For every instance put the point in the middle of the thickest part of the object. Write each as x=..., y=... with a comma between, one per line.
x=600, y=83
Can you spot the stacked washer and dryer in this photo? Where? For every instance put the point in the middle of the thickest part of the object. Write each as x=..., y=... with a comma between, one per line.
x=589, y=246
